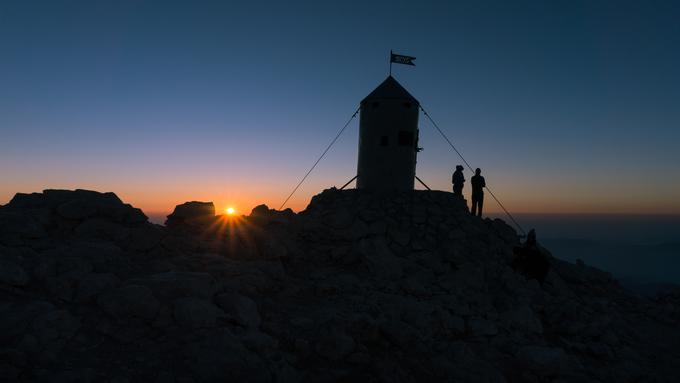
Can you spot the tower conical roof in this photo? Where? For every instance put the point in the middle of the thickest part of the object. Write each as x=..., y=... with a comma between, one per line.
x=390, y=89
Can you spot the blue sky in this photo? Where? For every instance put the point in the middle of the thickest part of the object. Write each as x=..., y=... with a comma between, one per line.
x=567, y=106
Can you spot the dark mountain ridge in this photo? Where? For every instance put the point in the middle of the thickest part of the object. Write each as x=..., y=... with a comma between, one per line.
x=357, y=287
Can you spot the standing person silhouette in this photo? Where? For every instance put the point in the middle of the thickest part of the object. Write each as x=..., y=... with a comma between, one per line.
x=478, y=184
x=458, y=180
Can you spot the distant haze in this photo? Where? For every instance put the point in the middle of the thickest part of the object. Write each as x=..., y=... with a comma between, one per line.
x=637, y=248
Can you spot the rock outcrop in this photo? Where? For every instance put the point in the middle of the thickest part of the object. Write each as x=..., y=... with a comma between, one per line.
x=191, y=214
x=358, y=287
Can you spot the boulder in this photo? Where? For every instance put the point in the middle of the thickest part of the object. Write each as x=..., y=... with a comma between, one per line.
x=222, y=357
x=171, y=285
x=544, y=360
x=91, y=285
x=195, y=313
x=523, y=319
x=78, y=205
x=335, y=345
x=377, y=255
x=193, y=212
x=398, y=333
x=16, y=318
x=55, y=326
x=12, y=274
x=61, y=287
x=17, y=227
x=102, y=229
x=27, y=201
x=263, y=215
x=102, y=256
x=130, y=301
x=340, y=219
x=77, y=209
x=144, y=238
x=481, y=327
x=241, y=308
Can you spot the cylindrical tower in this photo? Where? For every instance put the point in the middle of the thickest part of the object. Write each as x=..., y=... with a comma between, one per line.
x=388, y=138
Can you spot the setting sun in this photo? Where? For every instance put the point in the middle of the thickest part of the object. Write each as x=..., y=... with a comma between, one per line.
x=230, y=211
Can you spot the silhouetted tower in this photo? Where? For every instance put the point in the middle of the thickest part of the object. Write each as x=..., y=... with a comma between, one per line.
x=388, y=138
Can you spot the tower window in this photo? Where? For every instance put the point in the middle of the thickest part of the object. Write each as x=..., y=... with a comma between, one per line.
x=384, y=140
x=405, y=138
x=407, y=105
x=375, y=104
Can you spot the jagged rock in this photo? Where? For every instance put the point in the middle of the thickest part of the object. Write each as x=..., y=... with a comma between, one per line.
x=69, y=263
x=400, y=237
x=263, y=215
x=195, y=313
x=270, y=247
x=335, y=345
x=12, y=274
x=241, y=308
x=77, y=209
x=194, y=209
x=398, y=333
x=340, y=219
x=55, y=326
x=259, y=342
x=357, y=287
x=18, y=227
x=9, y=373
x=176, y=284
x=144, y=238
x=61, y=287
x=91, y=285
x=481, y=327
x=102, y=229
x=16, y=318
x=380, y=259
x=377, y=227
x=544, y=360
x=359, y=230
x=129, y=301
x=85, y=375
x=522, y=318
x=165, y=377
x=191, y=213
x=78, y=205
x=222, y=357
x=100, y=257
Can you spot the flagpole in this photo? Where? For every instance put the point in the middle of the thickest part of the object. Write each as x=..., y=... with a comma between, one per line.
x=390, y=62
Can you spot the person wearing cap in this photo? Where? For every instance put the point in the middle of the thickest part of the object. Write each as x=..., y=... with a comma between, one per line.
x=458, y=180
x=478, y=184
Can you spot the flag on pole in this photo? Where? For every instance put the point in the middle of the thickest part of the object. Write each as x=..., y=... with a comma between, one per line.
x=401, y=59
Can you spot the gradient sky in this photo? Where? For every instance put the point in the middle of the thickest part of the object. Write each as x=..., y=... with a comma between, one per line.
x=567, y=106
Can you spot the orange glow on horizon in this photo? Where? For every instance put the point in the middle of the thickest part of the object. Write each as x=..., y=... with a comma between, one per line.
x=230, y=210
x=519, y=196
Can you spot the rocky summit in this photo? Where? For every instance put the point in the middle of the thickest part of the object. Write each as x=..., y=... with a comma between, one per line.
x=404, y=287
